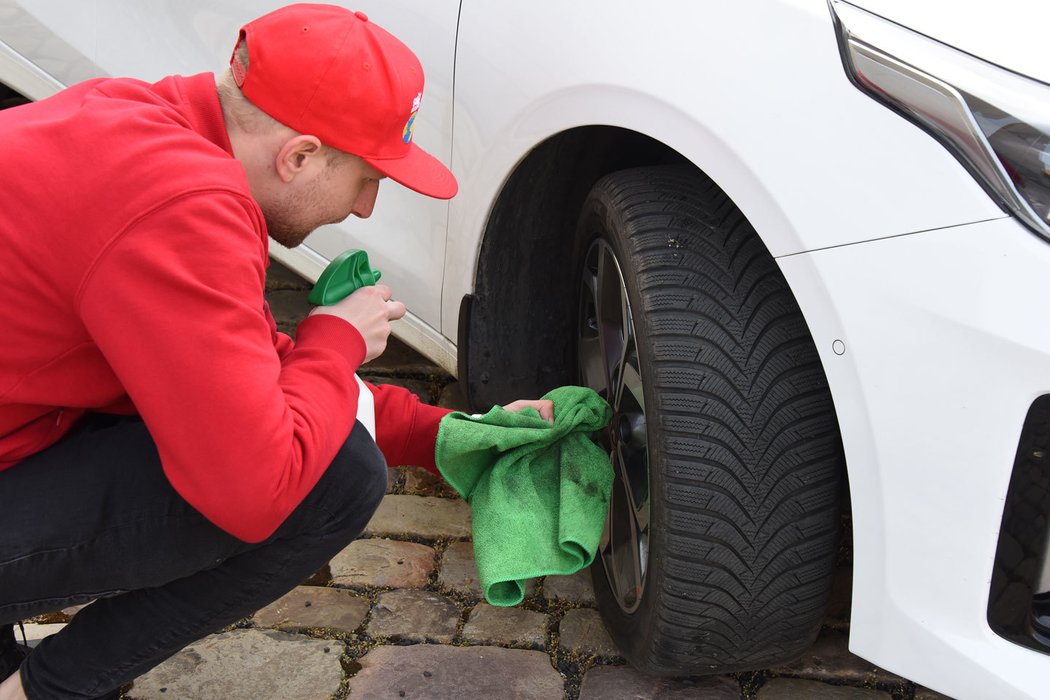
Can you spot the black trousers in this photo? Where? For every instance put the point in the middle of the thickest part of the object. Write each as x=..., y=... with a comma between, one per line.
x=93, y=517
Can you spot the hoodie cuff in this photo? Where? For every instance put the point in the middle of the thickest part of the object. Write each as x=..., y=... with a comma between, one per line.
x=335, y=333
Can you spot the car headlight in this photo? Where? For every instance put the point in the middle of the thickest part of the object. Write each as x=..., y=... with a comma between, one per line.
x=996, y=122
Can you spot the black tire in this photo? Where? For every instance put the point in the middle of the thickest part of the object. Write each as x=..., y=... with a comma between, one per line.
x=723, y=527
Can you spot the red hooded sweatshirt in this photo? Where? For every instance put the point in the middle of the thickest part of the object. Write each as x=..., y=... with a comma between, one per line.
x=132, y=279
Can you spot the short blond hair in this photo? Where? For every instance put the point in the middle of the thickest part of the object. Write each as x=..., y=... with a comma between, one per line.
x=238, y=109
x=241, y=112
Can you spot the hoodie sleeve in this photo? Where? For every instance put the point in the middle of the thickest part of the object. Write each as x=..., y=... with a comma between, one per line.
x=245, y=423
x=406, y=428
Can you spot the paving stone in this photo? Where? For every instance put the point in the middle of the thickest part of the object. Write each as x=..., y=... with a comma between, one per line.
x=582, y=631
x=420, y=482
x=459, y=572
x=453, y=673
x=576, y=588
x=383, y=562
x=416, y=616
x=830, y=659
x=422, y=516
x=247, y=665
x=307, y=607
x=927, y=694
x=624, y=683
x=393, y=479
x=489, y=624
x=794, y=689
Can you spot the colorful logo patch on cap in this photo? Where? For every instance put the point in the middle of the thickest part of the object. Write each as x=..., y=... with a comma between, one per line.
x=406, y=134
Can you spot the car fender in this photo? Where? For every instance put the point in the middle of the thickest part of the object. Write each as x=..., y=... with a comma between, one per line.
x=809, y=162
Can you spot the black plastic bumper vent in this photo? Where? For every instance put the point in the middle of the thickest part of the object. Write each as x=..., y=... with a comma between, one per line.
x=1019, y=600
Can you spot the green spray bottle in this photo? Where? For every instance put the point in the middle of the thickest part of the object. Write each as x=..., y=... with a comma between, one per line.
x=347, y=273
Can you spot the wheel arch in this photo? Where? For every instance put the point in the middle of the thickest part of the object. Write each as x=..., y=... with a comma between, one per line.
x=506, y=329
x=525, y=257
x=570, y=138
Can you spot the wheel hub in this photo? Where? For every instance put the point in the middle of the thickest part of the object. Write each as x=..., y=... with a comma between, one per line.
x=623, y=429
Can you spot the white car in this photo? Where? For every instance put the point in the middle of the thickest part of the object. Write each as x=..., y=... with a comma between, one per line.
x=796, y=243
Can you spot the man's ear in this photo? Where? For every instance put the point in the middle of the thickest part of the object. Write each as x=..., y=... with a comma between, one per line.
x=296, y=155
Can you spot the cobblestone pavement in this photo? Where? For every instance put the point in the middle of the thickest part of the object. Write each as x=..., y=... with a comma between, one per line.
x=399, y=613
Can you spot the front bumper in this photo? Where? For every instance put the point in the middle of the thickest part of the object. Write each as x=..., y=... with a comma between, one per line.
x=935, y=345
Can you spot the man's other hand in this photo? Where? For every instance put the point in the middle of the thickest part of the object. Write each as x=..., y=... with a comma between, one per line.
x=370, y=310
x=545, y=407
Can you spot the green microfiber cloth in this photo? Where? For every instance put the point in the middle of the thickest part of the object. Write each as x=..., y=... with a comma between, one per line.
x=538, y=492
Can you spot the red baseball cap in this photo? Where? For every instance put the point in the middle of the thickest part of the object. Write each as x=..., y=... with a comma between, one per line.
x=331, y=73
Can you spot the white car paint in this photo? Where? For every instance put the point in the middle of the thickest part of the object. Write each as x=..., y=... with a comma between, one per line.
x=891, y=247
x=942, y=360
x=1008, y=33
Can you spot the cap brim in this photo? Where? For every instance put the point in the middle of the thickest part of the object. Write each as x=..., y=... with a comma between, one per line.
x=419, y=171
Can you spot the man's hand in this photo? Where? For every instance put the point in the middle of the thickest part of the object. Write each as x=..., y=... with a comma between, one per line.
x=370, y=310
x=544, y=406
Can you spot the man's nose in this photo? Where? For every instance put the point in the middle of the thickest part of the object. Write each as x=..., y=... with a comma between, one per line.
x=366, y=200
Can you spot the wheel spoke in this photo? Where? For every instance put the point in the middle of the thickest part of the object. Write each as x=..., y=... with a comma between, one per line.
x=630, y=394
x=613, y=320
x=624, y=546
x=589, y=343
x=609, y=364
x=633, y=440
x=633, y=474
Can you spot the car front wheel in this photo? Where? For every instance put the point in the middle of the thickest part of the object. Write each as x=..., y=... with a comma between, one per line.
x=723, y=525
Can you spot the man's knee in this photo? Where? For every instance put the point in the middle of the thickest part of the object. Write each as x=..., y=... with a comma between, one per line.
x=353, y=485
x=361, y=468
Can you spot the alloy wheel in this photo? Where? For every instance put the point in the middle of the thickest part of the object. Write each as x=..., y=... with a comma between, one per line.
x=608, y=363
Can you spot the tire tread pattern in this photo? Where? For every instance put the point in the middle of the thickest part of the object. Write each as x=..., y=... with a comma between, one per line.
x=747, y=480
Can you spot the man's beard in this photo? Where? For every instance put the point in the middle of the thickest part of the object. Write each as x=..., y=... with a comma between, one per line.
x=286, y=233
x=289, y=223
